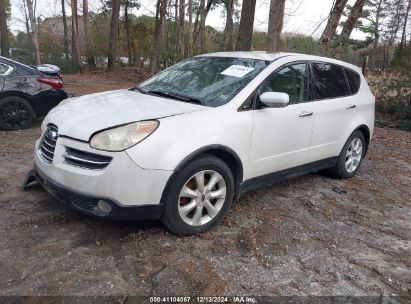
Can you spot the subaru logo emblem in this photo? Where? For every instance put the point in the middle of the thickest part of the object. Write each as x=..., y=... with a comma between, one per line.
x=51, y=134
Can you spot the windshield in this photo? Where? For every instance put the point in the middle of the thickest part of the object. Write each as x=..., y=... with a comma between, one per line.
x=209, y=81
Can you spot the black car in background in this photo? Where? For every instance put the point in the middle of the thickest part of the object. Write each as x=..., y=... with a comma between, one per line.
x=26, y=93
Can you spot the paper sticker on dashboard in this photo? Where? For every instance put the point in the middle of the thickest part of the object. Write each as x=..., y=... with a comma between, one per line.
x=237, y=71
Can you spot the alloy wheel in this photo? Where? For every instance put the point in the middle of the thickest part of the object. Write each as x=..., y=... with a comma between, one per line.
x=14, y=114
x=353, y=155
x=202, y=197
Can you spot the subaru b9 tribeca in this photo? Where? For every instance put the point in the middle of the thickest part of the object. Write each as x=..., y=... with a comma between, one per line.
x=188, y=141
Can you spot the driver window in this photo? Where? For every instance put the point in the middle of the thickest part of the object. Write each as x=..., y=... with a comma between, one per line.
x=292, y=79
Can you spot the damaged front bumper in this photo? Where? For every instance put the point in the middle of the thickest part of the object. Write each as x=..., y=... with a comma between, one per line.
x=95, y=206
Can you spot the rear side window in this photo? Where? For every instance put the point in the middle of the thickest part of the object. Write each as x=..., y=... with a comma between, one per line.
x=354, y=80
x=329, y=80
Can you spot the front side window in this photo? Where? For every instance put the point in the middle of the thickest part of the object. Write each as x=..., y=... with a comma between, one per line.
x=292, y=79
x=209, y=81
x=329, y=81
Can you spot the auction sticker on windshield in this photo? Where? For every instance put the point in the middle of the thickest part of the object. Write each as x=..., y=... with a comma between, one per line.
x=237, y=71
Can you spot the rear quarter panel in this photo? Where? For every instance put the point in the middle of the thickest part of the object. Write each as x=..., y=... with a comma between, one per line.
x=366, y=106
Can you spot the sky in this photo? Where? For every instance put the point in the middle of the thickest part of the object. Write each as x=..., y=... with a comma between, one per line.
x=302, y=16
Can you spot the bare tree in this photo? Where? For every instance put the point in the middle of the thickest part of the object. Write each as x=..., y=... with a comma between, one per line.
x=374, y=15
x=332, y=23
x=75, y=45
x=181, y=29
x=31, y=25
x=404, y=27
x=199, y=25
x=4, y=34
x=127, y=24
x=397, y=11
x=63, y=11
x=348, y=27
x=89, y=45
x=112, y=42
x=275, y=25
x=245, y=32
x=190, y=28
x=201, y=31
x=229, y=27
x=161, y=11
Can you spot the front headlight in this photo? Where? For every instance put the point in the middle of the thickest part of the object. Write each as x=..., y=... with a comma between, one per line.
x=124, y=137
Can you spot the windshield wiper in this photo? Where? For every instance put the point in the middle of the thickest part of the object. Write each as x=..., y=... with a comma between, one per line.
x=175, y=96
x=139, y=90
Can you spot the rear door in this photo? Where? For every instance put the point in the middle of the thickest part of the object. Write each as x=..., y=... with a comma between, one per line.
x=334, y=110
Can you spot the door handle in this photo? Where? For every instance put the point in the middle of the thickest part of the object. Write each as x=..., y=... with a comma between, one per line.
x=351, y=107
x=305, y=114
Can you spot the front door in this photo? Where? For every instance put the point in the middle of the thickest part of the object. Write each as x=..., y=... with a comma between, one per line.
x=281, y=136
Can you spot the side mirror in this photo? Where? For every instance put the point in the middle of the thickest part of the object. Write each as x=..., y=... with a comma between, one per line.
x=275, y=99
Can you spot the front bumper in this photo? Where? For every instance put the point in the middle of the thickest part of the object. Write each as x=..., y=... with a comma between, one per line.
x=131, y=191
x=88, y=204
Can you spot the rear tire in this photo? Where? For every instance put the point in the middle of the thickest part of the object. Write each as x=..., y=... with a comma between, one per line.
x=15, y=113
x=351, y=156
x=198, y=196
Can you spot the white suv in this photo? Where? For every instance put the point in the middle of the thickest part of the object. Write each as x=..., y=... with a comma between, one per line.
x=188, y=141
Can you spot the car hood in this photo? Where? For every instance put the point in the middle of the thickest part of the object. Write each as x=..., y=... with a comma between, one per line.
x=80, y=117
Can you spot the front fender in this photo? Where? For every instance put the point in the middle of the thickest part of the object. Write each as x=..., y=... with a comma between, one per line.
x=180, y=136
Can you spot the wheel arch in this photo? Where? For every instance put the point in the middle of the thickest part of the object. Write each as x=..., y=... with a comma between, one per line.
x=367, y=135
x=23, y=95
x=226, y=154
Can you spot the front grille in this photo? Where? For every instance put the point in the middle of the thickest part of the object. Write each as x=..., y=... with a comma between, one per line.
x=48, y=143
x=86, y=160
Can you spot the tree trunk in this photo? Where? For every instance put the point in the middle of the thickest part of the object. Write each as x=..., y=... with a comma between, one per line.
x=201, y=30
x=158, y=36
x=348, y=27
x=63, y=11
x=332, y=23
x=89, y=46
x=74, y=35
x=176, y=29
x=127, y=21
x=197, y=25
x=190, y=28
x=228, y=32
x=404, y=29
x=376, y=35
x=112, y=42
x=275, y=25
x=34, y=30
x=245, y=32
x=181, y=30
x=4, y=34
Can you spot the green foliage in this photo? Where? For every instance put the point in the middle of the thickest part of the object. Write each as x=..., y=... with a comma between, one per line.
x=393, y=102
x=100, y=26
x=301, y=44
x=258, y=41
x=401, y=60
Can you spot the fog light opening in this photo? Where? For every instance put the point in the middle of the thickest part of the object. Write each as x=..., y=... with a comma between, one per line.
x=104, y=206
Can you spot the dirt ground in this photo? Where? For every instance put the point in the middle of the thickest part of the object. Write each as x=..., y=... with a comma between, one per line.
x=309, y=236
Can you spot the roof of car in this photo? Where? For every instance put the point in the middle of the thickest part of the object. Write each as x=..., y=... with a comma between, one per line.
x=268, y=56
x=271, y=56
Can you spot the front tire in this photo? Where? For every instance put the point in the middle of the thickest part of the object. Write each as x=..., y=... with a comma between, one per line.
x=15, y=113
x=351, y=156
x=198, y=196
